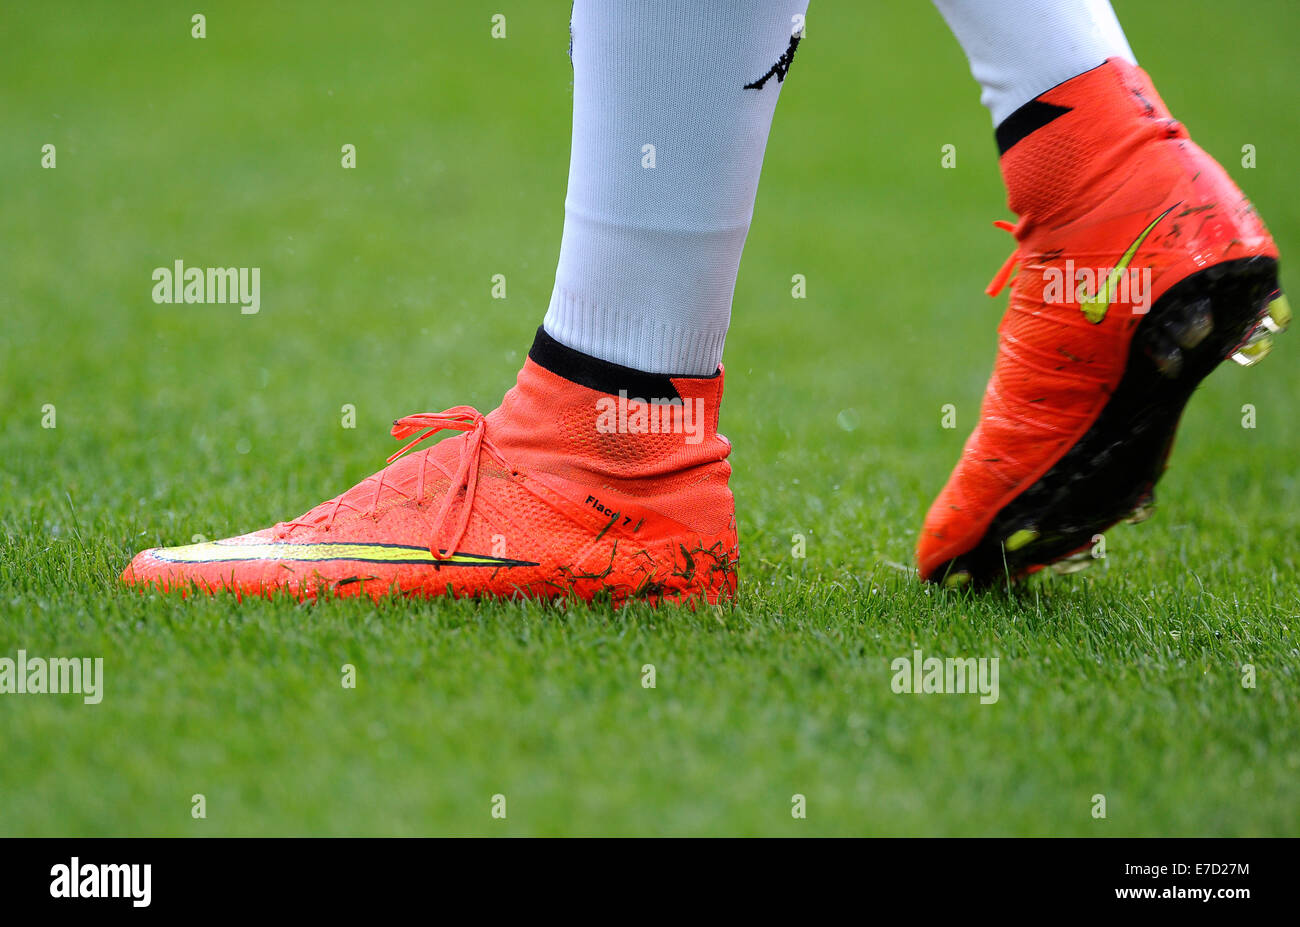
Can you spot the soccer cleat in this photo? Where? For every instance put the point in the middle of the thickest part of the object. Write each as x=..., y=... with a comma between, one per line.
x=590, y=479
x=1141, y=268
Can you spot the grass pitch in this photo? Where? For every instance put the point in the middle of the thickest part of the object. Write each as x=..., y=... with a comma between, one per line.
x=172, y=421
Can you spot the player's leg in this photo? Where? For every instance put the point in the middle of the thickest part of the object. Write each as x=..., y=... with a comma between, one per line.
x=602, y=470
x=1018, y=49
x=668, y=142
x=1141, y=267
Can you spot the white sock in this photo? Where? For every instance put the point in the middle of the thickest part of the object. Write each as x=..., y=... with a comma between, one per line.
x=1021, y=48
x=649, y=256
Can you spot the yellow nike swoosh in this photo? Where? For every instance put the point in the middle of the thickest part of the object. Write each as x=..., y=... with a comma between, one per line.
x=217, y=552
x=1094, y=307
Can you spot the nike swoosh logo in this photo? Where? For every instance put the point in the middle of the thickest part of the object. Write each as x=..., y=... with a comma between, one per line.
x=1094, y=307
x=217, y=552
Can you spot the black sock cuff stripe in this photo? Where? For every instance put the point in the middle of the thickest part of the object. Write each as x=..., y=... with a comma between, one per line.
x=1032, y=116
x=601, y=375
x=1029, y=118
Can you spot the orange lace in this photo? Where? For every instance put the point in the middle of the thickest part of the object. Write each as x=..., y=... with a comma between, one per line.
x=1008, y=269
x=465, y=479
x=1013, y=349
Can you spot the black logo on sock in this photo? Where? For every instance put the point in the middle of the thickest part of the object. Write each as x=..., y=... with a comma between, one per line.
x=780, y=69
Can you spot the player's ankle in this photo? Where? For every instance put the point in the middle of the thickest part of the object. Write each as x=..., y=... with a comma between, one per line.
x=1062, y=152
x=647, y=436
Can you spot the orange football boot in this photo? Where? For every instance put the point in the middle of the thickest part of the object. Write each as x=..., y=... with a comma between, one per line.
x=1141, y=268
x=589, y=479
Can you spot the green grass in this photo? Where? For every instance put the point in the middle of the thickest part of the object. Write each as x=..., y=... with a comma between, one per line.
x=175, y=420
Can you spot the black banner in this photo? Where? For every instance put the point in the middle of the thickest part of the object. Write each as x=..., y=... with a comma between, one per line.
x=135, y=877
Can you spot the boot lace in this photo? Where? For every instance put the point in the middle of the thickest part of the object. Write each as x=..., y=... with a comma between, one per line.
x=465, y=479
